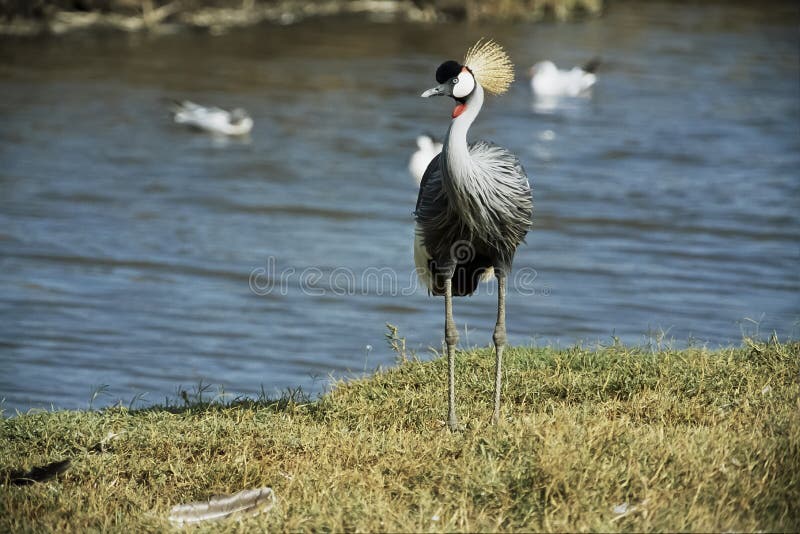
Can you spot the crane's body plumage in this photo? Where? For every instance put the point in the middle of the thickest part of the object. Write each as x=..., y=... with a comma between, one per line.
x=474, y=205
x=471, y=226
x=473, y=210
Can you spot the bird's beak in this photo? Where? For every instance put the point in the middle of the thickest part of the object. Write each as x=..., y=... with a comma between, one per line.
x=440, y=90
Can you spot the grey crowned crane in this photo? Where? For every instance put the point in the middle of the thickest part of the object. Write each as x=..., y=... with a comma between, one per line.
x=474, y=205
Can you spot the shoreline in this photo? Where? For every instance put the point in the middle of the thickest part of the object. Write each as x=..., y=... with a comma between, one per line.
x=609, y=439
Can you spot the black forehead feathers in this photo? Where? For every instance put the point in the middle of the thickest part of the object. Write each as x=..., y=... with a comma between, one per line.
x=448, y=70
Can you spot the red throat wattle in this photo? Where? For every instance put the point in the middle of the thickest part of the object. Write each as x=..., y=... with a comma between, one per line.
x=459, y=109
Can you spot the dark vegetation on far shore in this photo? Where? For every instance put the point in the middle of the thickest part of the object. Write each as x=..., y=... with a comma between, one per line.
x=61, y=16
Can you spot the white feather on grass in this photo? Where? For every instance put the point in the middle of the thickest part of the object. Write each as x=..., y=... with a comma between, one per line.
x=245, y=503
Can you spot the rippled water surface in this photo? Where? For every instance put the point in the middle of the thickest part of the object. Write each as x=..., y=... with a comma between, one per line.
x=666, y=202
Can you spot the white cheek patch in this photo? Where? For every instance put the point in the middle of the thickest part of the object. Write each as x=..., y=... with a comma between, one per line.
x=465, y=85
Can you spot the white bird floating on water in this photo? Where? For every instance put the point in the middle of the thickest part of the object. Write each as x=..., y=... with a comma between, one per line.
x=214, y=120
x=548, y=80
x=427, y=148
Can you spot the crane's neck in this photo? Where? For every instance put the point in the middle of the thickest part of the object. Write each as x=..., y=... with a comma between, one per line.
x=456, y=150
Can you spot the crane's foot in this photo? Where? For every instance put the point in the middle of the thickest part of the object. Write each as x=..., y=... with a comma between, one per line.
x=496, y=417
x=455, y=426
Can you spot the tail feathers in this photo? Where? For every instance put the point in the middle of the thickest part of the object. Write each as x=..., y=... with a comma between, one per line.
x=466, y=277
x=592, y=64
x=181, y=106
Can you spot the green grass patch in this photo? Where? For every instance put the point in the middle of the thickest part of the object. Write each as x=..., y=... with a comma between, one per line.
x=604, y=439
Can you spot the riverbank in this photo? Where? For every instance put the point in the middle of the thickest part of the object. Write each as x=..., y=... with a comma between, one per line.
x=22, y=17
x=611, y=439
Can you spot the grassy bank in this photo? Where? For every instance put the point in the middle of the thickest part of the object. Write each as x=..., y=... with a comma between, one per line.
x=605, y=439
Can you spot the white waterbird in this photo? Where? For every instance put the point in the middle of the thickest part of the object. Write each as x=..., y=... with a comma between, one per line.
x=548, y=80
x=212, y=119
x=427, y=148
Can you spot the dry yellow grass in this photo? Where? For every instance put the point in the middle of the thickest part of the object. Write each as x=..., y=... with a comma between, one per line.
x=691, y=440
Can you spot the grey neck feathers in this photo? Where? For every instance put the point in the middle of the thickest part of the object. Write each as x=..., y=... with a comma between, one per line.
x=487, y=191
x=462, y=180
x=456, y=149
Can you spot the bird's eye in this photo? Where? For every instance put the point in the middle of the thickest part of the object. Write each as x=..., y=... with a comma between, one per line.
x=455, y=81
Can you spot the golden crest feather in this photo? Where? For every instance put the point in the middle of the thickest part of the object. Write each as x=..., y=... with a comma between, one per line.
x=490, y=65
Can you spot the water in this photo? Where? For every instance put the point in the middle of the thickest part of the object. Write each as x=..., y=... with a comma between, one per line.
x=666, y=203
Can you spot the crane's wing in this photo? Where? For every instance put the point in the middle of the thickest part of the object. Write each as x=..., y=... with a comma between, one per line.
x=510, y=200
x=430, y=187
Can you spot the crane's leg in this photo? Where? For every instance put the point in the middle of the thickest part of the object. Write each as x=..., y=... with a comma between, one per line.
x=499, y=342
x=451, y=338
